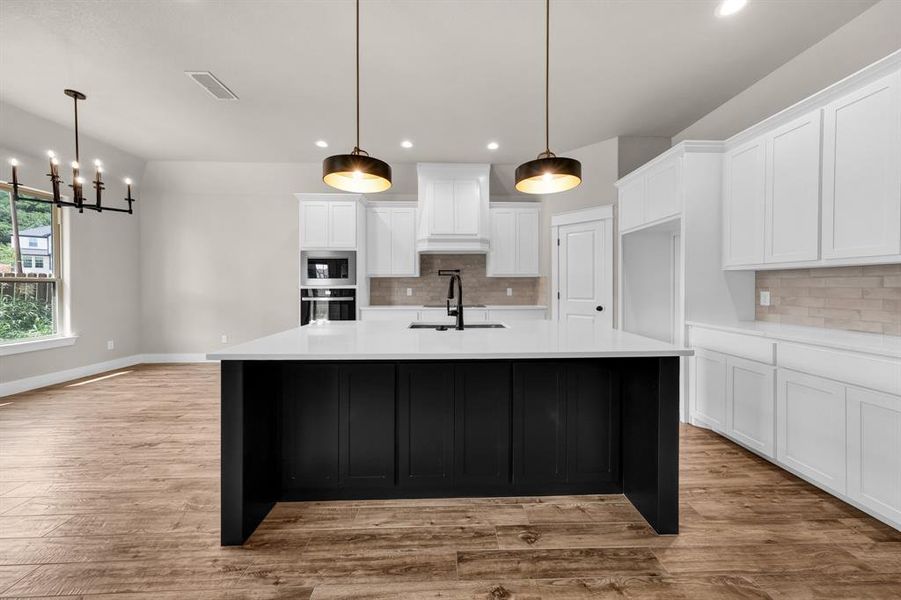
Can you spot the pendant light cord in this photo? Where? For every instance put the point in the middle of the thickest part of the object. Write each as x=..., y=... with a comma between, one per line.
x=357, y=147
x=547, y=76
x=77, y=157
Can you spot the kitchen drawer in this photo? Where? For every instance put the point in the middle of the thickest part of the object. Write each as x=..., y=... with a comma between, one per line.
x=878, y=373
x=746, y=346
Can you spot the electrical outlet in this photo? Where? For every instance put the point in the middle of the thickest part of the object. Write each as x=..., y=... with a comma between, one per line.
x=509, y=291
x=110, y=345
x=764, y=298
x=409, y=291
x=224, y=339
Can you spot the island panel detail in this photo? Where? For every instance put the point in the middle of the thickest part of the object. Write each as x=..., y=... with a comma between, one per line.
x=314, y=430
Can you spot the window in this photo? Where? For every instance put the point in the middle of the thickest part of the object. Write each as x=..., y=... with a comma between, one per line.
x=29, y=291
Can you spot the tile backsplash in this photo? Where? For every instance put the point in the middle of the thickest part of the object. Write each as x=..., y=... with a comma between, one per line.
x=478, y=288
x=866, y=298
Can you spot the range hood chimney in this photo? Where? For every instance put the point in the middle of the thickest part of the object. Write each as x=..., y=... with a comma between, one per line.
x=453, y=208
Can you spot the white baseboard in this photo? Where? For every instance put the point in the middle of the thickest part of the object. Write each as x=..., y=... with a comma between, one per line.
x=26, y=384
x=38, y=381
x=174, y=358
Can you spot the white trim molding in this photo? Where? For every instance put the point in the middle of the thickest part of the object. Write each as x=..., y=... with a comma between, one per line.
x=8, y=388
x=583, y=215
x=45, y=343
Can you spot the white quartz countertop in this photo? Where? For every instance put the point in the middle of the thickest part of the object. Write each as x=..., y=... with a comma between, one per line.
x=485, y=307
x=385, y=340
x=870, y=343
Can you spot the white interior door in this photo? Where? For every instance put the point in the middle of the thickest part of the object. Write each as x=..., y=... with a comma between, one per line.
x=585, y=272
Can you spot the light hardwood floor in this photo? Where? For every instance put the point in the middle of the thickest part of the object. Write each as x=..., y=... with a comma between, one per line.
x=110, y=490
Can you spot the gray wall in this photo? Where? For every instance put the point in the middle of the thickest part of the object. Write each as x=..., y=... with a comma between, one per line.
x=101, y=250
x=871, y=36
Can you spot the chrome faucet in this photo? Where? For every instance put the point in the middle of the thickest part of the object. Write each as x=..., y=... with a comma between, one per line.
x=454, y=275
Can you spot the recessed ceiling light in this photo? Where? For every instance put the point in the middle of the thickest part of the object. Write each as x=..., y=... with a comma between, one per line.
x=492, y=146
x=322, y=143
x=406, y=144
x=730, y=7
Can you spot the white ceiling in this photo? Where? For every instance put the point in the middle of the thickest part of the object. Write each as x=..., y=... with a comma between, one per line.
x=449, y=75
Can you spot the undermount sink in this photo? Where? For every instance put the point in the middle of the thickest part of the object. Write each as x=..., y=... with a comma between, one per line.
x=447, y=326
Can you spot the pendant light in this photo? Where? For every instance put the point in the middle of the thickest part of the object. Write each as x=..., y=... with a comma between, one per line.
x=549, y=173
x=357, y=172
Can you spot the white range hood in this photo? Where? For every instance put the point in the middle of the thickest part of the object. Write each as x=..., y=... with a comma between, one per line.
x=453, y=208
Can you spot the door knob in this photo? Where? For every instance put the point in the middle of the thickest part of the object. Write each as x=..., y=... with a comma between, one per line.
x=599, y=308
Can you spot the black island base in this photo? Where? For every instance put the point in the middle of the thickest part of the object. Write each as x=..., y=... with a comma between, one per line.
x=315, y=430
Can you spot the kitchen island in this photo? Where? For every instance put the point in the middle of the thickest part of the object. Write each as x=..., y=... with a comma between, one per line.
x=360, y=410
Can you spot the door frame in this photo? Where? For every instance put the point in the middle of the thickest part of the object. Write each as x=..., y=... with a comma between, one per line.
x=585, y=215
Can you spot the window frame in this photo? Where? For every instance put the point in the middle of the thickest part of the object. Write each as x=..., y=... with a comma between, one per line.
x=61, y=335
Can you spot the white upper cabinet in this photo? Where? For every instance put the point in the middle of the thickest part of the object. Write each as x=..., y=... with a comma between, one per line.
x=391, y=241
x=793, y=191
x=662, y=194
x=744, y=177
x=651, y=194
x=631, y=204
x=515, y=240
x=328, y=223
x=453, y=207
x=862, y=172
x=819, y=184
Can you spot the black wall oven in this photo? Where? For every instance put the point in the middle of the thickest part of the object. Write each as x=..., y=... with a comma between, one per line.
x=328, y=268
x=318, y=305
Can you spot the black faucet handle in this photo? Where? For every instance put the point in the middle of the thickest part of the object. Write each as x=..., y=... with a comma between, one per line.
x=448, y=272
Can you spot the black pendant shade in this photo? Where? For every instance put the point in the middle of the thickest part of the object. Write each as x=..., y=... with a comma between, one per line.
x=548, y=175
x=356, y=173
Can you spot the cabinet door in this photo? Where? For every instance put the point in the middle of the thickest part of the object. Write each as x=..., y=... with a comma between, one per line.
x=379, y=242
x=750, y=404
x=662, y=198
x=862, y=172
x=342, y=225
x=874, y=451
x=527, y=240
x=744, y=184
x=631, y=204
x=482, y=423
x=539, y=423
x=810, y=427
x=314, y=221
x=425, y=423
x=710, y=389
x=367, y=434
x=403, y=243
x=592, y=423
x=441, y=206
x=309, y=427
x=467, y=203
x=502, y=248
x=793, y=191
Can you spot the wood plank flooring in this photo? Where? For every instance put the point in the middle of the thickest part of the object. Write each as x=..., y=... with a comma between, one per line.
x=110, y=489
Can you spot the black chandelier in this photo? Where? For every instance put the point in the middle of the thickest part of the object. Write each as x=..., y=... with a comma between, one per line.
x=78, y=182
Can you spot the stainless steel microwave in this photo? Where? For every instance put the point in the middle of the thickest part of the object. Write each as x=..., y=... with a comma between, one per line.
x=328, y=268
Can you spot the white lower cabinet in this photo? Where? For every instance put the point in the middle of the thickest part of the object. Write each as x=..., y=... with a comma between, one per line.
x=810, y=431
x=750, y=404
x=874, y=451
x=709, y=377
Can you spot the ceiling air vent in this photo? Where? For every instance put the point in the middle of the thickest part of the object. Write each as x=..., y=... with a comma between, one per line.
x=208, y=81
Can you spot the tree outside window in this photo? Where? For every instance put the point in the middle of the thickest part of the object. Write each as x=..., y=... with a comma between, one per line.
x=29, y=281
